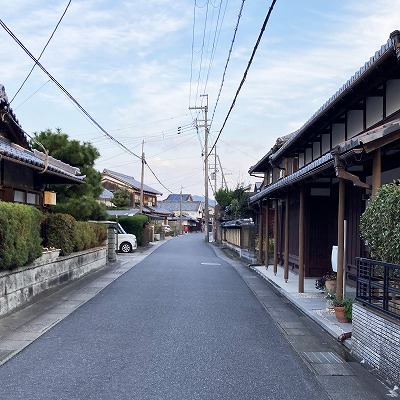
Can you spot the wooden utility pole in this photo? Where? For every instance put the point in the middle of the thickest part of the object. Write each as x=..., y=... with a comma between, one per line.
x=206, y=211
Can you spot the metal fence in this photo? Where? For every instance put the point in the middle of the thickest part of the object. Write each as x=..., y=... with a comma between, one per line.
x=378, y=286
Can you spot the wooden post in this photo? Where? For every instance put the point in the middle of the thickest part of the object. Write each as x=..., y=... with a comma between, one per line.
x=276, y=238
x=266, y=233
x=340, y=255
x=301, y=241
x=286, y=261
x=376, y=171
x=260, y=234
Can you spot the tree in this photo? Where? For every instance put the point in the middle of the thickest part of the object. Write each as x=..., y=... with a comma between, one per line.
x=78, y=200
x=121, y=198
x=234, y=203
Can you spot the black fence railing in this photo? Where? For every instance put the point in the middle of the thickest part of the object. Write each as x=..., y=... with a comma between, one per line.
x=378, y=286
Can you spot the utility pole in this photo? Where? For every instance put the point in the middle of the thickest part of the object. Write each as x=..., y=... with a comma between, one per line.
x=206, y=211
x=215, y=168
x=223, y=180
x=142, y=180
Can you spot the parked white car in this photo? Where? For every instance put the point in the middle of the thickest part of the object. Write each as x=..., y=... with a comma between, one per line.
x=126, y=242
x=166, y=228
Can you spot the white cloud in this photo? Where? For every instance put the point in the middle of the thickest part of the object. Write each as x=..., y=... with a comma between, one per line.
x=129, y=64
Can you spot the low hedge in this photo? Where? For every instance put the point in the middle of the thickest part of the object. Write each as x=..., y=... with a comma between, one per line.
x=24, y=230
x=88, y=235
x=20, y=240
x=63, y=232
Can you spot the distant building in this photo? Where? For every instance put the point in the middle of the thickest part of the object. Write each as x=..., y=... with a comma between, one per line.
x=113, y=181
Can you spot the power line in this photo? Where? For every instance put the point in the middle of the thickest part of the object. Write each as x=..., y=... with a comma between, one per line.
x=65, y=91
x=44, y=48
x=245, y=73
x=216, y=39
x=155, y=176
x=227, y=61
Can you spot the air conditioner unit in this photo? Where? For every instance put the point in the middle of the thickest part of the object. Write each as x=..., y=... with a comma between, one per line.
x=49, y=198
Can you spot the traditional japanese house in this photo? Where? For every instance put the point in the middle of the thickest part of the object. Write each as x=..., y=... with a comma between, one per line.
x=317, y=179
x=25, y=173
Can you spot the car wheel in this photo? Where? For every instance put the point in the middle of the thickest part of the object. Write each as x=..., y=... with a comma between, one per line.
x=125, y=247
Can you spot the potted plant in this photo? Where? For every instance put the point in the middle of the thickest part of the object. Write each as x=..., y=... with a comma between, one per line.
x=327, y=282
x=343, y=307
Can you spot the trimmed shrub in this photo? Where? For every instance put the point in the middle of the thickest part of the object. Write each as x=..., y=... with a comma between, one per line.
x=380, y=224
x=135, y=225
x=88, y=235
x=20, y=240
x=59, y=232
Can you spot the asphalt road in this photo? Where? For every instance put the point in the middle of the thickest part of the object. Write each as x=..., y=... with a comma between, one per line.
x=182, y=324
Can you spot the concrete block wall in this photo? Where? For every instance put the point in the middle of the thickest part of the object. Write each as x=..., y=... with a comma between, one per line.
x=245, y=254
x=376, y=341
x=19, y=286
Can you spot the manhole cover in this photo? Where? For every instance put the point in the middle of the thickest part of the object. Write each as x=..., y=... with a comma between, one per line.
x=320, y=357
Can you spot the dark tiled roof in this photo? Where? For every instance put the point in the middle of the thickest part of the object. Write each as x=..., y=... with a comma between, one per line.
x=388, y=48
x=106, y=194
x=186, y=205
x=130, y=181
x=322, y=163
x=37, y=160
x=177, y=197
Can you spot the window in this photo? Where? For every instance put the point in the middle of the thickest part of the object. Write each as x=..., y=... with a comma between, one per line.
x=374, y=110
x=26, y=197
x=19, y=196
x=392, y=96
x=338, y=134
x=355, y=123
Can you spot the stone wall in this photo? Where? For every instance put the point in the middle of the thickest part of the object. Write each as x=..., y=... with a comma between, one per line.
x=19, y=286
x=376, y=341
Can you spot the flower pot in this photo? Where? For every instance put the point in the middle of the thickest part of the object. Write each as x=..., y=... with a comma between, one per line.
x=339, y=313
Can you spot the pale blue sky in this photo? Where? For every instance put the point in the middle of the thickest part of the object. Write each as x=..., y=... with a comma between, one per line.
x=134, y=66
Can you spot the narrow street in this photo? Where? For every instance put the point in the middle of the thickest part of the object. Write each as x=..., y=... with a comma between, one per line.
x=181, y=324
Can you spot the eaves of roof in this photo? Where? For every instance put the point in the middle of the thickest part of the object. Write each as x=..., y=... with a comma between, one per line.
x=370, y=136
x=35, y=160
x=322, y=163
x=366, y=141
x=130, y=181
x=385, y=51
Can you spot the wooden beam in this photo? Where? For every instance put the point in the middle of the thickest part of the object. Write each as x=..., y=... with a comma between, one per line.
x=301, y=241
x=266, y=234
x=260, y=234
x=286, y=260
x=376, y=171
x=276, y=237
x=340, y=255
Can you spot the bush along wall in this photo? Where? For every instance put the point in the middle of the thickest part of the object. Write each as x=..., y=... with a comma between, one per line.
x=135, y=225
x=24, y=230
x=380, y=224
x=63, y=232
x=20, y=240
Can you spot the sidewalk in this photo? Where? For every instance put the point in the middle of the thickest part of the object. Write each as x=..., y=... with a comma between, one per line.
x=312, y=302
x=23, y=326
